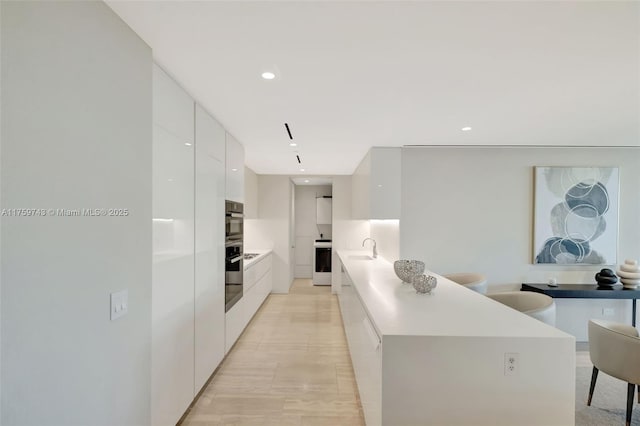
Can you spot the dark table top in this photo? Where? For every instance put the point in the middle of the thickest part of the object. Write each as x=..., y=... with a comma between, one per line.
x=583, y=291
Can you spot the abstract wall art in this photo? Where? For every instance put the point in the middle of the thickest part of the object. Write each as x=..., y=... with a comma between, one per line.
x=576, y=215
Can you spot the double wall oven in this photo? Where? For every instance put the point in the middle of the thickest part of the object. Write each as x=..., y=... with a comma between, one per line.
x=233, y=253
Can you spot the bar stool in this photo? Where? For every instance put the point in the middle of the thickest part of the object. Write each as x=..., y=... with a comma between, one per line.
x=536, y=305
x=471, y=280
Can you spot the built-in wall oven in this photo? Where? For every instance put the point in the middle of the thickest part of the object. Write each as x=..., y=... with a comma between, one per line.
x=233, y=253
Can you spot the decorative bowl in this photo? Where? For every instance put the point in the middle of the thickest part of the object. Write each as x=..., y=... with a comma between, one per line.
x=424, y=283
x=406, y=269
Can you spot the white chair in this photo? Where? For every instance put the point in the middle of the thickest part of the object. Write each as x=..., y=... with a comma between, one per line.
x=615, y=349
x=537, y=305
x=471, y=280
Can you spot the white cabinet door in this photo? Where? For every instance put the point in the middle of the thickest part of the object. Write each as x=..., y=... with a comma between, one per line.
x=209, y=247
x=172, y=302
x=235, y=170
x=376, y=183
x=385, y=183
x=323, y=211
x=235, y=320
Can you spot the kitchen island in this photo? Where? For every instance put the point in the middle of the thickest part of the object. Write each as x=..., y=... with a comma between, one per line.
x=444, y=358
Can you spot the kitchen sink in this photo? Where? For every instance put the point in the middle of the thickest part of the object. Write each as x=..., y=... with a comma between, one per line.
x=248, y=256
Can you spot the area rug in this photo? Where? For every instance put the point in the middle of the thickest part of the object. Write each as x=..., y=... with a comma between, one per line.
x=608, y=406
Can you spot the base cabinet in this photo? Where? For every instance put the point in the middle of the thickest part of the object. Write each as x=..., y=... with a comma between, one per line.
x=365, y=347
x=256, y=287
x=234, y=323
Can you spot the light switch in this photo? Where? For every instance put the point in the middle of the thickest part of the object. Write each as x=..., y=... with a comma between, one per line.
x=119, y=304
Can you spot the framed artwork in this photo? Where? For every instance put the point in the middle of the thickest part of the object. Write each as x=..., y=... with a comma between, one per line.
x=576, y=215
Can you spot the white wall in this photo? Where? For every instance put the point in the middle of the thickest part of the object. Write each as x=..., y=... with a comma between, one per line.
x=347, y=233
x=387, y=236
x=273, y=229
x=250, y=194
x=471, y=209
x=76, y=133
x=306, y=228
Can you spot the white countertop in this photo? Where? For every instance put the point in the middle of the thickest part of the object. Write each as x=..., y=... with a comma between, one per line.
x=261, y=252
x=451, y=309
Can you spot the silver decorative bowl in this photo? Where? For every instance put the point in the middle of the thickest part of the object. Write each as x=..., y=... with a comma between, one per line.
x=424, y=283
x=407, y=269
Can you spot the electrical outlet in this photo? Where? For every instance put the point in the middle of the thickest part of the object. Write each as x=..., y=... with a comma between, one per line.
x=119, y=304
x=608, y=312
x=511, y=363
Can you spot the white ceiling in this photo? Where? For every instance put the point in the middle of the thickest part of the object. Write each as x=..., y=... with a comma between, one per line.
x=351, y=75
x=312, y=180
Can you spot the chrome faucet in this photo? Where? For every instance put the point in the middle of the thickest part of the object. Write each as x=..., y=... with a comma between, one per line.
x=375, y=250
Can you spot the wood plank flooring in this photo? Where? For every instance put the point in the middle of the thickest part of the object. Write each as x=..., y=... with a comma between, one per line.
x=291, y=366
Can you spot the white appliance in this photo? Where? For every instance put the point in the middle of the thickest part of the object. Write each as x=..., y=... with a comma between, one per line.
x=322, y=262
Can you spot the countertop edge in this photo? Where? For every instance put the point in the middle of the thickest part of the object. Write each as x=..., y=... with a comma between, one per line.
x=262, y=254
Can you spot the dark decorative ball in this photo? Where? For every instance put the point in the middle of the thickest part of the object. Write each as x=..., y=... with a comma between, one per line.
x=607, y=273
x=606, y=278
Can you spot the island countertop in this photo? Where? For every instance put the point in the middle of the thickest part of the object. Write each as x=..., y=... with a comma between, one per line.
x=451, y=310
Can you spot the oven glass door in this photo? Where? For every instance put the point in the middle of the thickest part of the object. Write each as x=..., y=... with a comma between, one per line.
x=233, y=274
x=234, y=226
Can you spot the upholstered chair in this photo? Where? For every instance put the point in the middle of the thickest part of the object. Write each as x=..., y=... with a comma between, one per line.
x=537, y=305
x=615, y=350
x=471, y=280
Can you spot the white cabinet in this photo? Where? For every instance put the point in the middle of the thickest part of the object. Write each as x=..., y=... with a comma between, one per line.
x=257, y=284
x=365, y=350
x=376, y=185
x=172, y=302
x=234, y=170
x=209, y=246
x=323, y=211
x=234, y=323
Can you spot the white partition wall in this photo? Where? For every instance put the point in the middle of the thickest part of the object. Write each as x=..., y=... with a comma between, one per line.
x=76, y=133
x=172, y=378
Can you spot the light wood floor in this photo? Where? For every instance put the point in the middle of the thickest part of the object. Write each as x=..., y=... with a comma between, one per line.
x=291, y=366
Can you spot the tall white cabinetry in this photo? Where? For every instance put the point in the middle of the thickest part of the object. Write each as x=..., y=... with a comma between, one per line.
x=376, y=185
x=235, y=170
x=172, y=301
x=209, y=246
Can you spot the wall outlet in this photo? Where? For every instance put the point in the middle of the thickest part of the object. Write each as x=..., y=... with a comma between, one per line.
x=511, y=363
x=119, y=304
x=608, y=312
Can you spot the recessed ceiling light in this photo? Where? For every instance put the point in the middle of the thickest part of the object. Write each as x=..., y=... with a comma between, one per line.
x=267, y=75
x=306, y=181
x=187, y=143
x=234, y=170
x=293, y=144
x=379, y=185
x=302, y=170
x=466, y=129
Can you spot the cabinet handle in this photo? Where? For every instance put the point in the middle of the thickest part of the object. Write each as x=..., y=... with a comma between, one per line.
x=375, y=340
x=235, y=259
